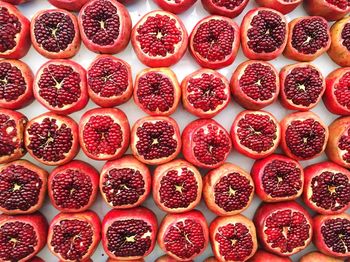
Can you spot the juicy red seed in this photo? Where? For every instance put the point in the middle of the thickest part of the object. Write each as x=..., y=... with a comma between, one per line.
x=235, y=242
x=213, y=40
x=286, y=230
x=159, y=35
x=123, y=186
x=310, y=35
x=72, y=239
x=336, y=235
x=342, y=91
x=228, y=4
x=267, y=32
x=342, y=4
x=12, y=83
x=345, y=34
x=129, y=238
x=185, y=238
x=9, y=142
x=344, y=145
x=10, y=28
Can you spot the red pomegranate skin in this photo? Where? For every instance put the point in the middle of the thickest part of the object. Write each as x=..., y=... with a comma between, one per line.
x=319, y=257
x=230, y=9
x=70, y=5
x=263, y=256
x=330, y=10
x=339, y=50
x=282, y=6
x=175, y=7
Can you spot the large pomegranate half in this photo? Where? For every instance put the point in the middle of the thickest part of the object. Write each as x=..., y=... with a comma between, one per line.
x=339, y=51
x=228, y=8
x=283, y=6
x=263, y=256
x=159, y=39
x=319, y=257
x=70, y=5
x=214, y=42
x=175, y=6
x=331, y=10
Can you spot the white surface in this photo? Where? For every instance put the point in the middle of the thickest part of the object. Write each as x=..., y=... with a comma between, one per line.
x=186, y=66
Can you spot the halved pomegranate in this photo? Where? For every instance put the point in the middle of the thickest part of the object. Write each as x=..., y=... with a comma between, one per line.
x=331, y=10
x=157, y=91
x=255, y=84
x=214, y=42
x=167, y=258
x=16, y=2
x=263, y=256
x=283, y=228
x=104, y=133
x=283, y=6
x=125, y=182
x=52, y=139
x=228, y=8
x=155, y=140
x=308, y=38
x=206, y=143
x=74, y=236
x=70, y=5
x=326, y=188
x=60, y=86
x=109, y=81
x=117, y=260
x=36, y=259
x=105, y=26
x=228, y=190
x=177, y=186
x=339, y=51
x=183, y=236
x=211, y=259
x=205, y=93
x=129, y=234
x=319, y=257
x=175, y=6
x=264, y=34
x=303, y=135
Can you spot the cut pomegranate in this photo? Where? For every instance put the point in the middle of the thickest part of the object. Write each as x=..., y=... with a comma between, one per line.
x=331, y=10
x=16, y=2
x=339, y=51
x=129, y=234
x=36, y=259
x=264, y=34
x=319, y=257
x=73, y=187
x=117, y=260
x=183, y=236
x=283, y=6
x=104, y=133
x=308, y=38
x=60, y=86
x=70, y=5
x=175, y=6
x=205, y=93
x=157, y=91
x=263, y=256
x=155, y=140
x=125, y=182
x=255, y=84
x=211, y=259
x=283, y=228
x=166, y=258
x=326, y=188
x=206, y=143
x=228, y=8
x=228, y=190
x=214, y=42
x=109, y=81
x=303, y=135
x=74, y=236
x=52, y=139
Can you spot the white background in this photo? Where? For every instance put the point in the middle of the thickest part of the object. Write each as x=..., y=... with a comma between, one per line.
x=186, y=66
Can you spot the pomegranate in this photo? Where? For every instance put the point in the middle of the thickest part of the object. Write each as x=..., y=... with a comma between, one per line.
x=263, y=33
x=283, y=228
x=15, y=32
x=12, y=126
x=167, y=258
x=183, y=236
x=16, y=84
x=177, y=186
x=36, y=259
x=155, y=140
x=129, y=234
x=205, y=93
x=104, y=133
x=157, y=91
x=263, y=256
x=109, y=81
x=255, y=84
x=214, y=42
x=74, y=236
x=206, y=143
x=331, y=10
x=304, y=135
x=16, y=2
x=52, y=139
x=60, y=86
x=175, y=6
x=70, y=5
x=319, y=257
x=282, y=6
x=117, y=260
x=228, y=8
x=228, y=190
x=308, y=38
x=211, y=259
x=339, y=50
x=125, y=182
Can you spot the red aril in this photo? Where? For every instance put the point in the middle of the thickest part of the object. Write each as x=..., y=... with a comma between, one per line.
x=339, y=50
x=331, y=10
x=70, y=5
x=228, y=8
x=319, y=257
x=283, y=6
x=263, y=256
x=175, y=6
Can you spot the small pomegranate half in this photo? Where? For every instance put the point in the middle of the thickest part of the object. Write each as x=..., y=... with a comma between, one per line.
x=155, y=140
x=339, y=51
x=282, y=6
x=283, y=228
x=125, y=182
x=264, y=34
x=70, y=5
x=74, y=236
x=303, y=135
x=263, y=256
x=255, y=84
x=228, y=8
x=52, y=139
x=129, y=234
x=214, y=42
x=157, y=91
x=177, y=186
x=228, y=190
x=159, y=39
x=12, y=126
x=183, y=236
x=175, y=6
x=319, y=257
x=109, y=81
x=205, y=93
x=60, y=86
x=331, y=10
x=104, y=133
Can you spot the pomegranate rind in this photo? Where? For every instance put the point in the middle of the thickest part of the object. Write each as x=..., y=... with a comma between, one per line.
x=217, y=10
x=70, y=5
x=263, y=256
x=16, y=2
x=167, y=258
x=319, y=257
x=175, y=8
x=211, y=259
x=337, y=51
x=281, y=6
x=322, y=8
x=36, y=259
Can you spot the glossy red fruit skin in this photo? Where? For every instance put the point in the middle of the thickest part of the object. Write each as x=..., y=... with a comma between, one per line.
x=167, y=258
x=319, y=257
x=337, y=51
x=326, y=10
x=263, y=256
x=36, y=259
x=70, y=5
x=281, y=6
x=211, y=259
x=175, y=8
x=216, y=10
x=16, y=2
